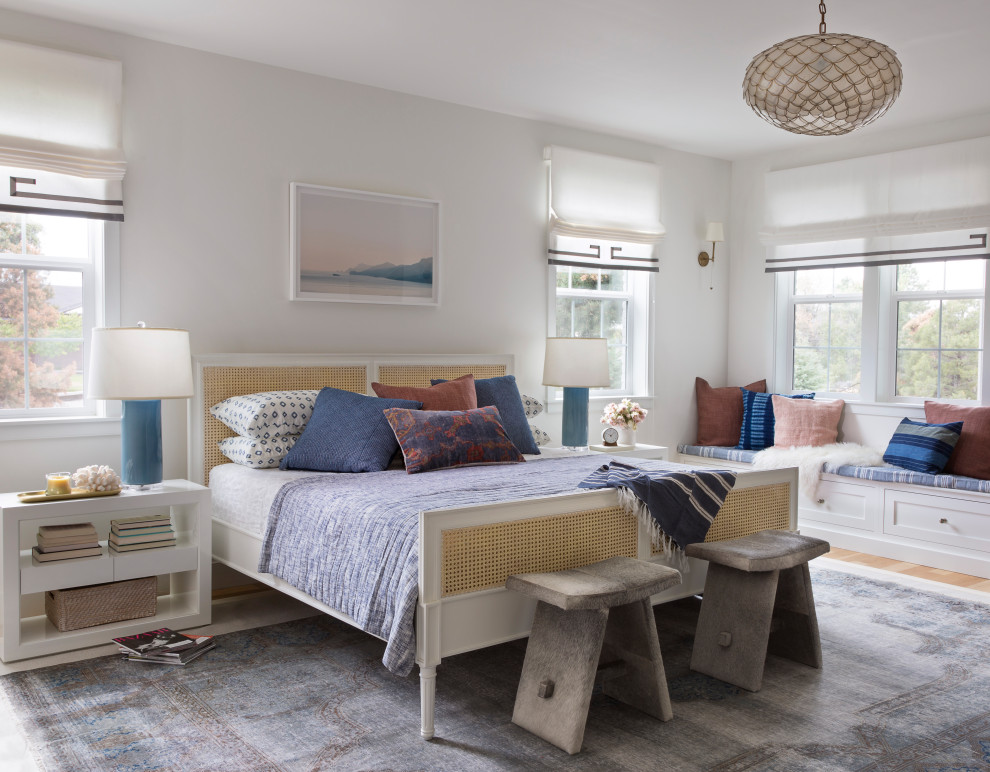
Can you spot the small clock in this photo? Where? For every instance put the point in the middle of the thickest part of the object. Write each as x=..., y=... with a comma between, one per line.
x=610, y=436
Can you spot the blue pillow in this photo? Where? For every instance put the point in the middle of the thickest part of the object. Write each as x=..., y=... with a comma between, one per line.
x=922, y=447
x=348, y=432
x=758, y=420
x=503, y=393
x=442, y=439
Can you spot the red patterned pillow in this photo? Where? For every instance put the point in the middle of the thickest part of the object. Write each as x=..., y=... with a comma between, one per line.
x=971, y=457
x=442, y=439
x=458, y=394
x=720, y=412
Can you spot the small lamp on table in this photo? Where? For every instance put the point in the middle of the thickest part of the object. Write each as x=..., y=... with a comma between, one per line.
x=576, y=364
x=141, y=366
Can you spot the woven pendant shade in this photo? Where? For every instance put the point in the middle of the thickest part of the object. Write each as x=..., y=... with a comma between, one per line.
x=824, y=84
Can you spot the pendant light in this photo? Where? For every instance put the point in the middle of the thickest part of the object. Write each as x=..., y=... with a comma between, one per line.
x=824, y=84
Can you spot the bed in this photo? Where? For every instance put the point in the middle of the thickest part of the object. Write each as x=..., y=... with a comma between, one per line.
x=465, y=553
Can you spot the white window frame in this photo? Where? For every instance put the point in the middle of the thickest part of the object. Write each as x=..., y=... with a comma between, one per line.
x=788, y=302
x=639, y=331
x=879, y=343
x=101, y=293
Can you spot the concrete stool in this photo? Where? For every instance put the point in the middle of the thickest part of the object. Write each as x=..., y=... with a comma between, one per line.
x=757, y=598
x=597, y=613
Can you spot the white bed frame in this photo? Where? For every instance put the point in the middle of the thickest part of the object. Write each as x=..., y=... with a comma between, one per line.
x=446, y=624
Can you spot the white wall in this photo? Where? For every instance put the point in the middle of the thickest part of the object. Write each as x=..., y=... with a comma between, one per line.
x=212, y=144
x=751, y=307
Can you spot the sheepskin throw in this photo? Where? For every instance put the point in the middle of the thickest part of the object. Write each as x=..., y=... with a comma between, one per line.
x=809, y=461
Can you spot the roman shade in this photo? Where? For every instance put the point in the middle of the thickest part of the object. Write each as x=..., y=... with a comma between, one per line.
x=597, y=197
x=835, y=206
x=60, y=133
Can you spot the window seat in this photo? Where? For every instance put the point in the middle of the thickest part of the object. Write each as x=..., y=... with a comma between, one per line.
x=934, y=520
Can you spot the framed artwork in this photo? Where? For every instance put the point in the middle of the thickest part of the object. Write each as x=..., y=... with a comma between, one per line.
x=355, y=247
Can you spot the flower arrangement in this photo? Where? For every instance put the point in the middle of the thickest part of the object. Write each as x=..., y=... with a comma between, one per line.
x=625, y=414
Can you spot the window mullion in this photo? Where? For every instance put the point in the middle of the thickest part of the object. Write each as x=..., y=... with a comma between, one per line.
x=25, y=315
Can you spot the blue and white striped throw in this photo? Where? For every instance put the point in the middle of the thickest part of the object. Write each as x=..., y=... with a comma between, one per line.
x=682, y=505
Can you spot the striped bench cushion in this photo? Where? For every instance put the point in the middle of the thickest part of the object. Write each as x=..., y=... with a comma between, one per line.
x=714, y=451
x=896, y=475
x=877, y=473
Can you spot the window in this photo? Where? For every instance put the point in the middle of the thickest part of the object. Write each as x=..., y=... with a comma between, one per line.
x=827, y=315
x=938, y=309
x=884, y=333
x=60, y=193
x=50, y=298
x=610, y=304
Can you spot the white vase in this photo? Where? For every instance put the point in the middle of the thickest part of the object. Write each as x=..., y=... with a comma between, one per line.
x=627, y=436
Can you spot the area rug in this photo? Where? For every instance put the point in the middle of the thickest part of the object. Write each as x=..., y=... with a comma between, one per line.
x=905, y=686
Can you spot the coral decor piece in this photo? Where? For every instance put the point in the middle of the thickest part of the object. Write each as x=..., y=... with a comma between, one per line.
x=97, y=477
x=625, y=414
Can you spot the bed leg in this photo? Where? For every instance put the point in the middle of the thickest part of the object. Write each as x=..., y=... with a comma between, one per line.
x=427, y=699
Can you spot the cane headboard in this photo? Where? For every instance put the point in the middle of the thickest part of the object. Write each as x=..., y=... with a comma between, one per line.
x=219, y=376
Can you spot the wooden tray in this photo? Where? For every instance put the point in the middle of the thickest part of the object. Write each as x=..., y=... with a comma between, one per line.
x=34, y=497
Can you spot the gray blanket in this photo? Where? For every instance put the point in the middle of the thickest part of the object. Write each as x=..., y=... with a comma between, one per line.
x=351, y=541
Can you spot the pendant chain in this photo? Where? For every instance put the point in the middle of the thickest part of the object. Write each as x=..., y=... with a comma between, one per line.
x=821, y=10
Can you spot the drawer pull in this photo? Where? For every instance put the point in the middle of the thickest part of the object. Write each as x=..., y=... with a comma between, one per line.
x=821, y=501
x=943, y=520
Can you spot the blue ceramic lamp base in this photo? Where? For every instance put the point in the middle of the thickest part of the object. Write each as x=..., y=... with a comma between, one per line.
x=575, y=422
x=141, y=442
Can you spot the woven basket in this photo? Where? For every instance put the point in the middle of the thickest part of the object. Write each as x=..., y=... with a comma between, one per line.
x=101, y=604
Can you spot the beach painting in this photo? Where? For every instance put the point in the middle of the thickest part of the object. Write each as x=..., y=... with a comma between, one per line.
x=356, y=247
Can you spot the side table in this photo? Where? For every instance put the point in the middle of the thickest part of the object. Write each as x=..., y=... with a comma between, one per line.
x=187, y=565
x=655, y=452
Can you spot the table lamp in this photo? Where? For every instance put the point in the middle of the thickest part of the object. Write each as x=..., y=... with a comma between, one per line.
x=141, y=366
x=576, y=364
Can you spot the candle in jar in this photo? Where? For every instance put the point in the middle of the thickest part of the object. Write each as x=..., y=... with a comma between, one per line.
x=58, y=483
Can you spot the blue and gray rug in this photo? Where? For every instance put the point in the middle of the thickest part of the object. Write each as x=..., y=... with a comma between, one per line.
x=906, y=686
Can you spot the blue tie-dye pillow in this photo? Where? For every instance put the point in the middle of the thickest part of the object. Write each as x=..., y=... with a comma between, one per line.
x=758, y=421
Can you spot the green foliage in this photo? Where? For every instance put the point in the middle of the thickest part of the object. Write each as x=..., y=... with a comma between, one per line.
x=938, y=348
x=47, y=381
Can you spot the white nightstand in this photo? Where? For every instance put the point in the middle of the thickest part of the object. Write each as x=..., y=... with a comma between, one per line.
x=187, y=564
x=655, y=452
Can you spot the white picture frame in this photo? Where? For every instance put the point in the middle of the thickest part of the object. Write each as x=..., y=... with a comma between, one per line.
x=352, y=246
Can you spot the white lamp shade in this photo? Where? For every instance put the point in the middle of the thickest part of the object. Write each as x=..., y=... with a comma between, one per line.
x=576, y=362
x=139, y=363
x=714, y=232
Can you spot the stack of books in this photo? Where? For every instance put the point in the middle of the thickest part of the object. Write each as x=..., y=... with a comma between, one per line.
x=164, y=646
x=141, y=533
x=61, y=542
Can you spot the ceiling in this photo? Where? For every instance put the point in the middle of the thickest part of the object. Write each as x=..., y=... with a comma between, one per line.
x=664, y=71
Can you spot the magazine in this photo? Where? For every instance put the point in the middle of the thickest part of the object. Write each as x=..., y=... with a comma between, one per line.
x=176, y=658
x=155, y=641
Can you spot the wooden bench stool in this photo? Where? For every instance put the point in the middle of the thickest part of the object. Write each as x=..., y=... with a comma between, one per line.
x=757, y=598
x=597, y=613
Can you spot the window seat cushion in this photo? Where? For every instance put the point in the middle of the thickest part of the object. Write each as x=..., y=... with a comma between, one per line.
x=716, y=451
x=876, y=473
x=896, y=475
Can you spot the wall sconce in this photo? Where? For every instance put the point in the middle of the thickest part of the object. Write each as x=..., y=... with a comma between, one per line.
x=715, y=234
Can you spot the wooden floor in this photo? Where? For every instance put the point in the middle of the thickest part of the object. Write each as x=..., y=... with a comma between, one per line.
x=911, y=569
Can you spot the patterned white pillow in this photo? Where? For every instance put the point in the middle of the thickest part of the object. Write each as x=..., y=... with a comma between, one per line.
x=260, y=454
x=268, y=414
x=539, y=436
x=532, y=406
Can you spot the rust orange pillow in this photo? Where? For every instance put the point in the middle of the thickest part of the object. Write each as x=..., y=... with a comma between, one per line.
x=720, y=412
x=458, y=394
x=971, y=457
x=803, y=422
